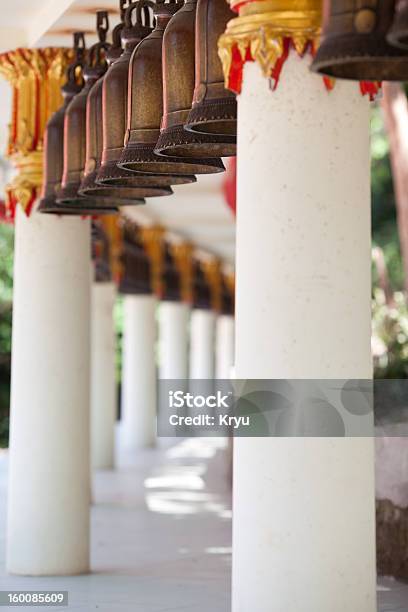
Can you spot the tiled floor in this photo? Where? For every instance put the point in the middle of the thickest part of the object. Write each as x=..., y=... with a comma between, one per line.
x=161, y=537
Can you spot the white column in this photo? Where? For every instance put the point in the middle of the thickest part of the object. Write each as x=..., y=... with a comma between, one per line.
x=304, y=528
x=49, y=474
x=103, y=383
x=173, y=340
x=224, y=346
x=139, y=372
x=202, y=332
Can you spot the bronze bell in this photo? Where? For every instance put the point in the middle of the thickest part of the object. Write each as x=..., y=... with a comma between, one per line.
x=354, y=44
x=145, y=107
x=214, y=108
x=179, y=59
x=398, y=33
x=115, y=103
x=94, y=142
x=75, y=129
x=54, y=140
x=54, y=132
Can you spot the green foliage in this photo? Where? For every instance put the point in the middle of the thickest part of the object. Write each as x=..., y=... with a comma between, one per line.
x=384, y=217
x=390, y=335
x=6, y=292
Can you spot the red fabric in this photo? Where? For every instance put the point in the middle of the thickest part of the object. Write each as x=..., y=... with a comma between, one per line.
x=237, y=68
x=329, y=83
x=239, y=5
x=277, y=69
x=230, y=184
x=370, y=88
x=12, y=202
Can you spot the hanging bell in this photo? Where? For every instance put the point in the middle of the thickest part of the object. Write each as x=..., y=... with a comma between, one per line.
x=75, y=129
x=126, y=196
x=398, y=33
x=54, y=139
x=354, y=44
x=54, y=132
x=178, y=88
x=214, y=108
x=115, y=103
x=145, y=107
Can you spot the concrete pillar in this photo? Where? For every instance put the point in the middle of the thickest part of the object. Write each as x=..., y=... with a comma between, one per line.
x=139, y=372
x=103, y=380
x=202, y=337
x=173, y=340
x=304, y=528
x=49, y=474
x=224, y=346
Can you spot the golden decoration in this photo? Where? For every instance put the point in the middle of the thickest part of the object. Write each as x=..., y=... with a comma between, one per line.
x=212, y=272
x=36, y=76
x=113, y=228
x=229, y=280
x=183, y=258
x=260, y=31
x=152, y=238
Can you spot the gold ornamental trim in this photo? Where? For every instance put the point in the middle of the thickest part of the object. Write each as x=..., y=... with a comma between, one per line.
x=229, y=280
x=183, y=258
x=36, y=76
x=262, y=32
x=152, y=238
x=113, y=227
x=212, y=272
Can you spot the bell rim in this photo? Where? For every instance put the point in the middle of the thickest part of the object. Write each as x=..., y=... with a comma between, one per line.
x=215, y=111
x=77, y=202
x=144, y=157
x=328, y=58
x=49, y=206
x=197, y=127
x=91, y=189
x=173, y=142
x=110, y=172
x=198, y=151
x=393, y=37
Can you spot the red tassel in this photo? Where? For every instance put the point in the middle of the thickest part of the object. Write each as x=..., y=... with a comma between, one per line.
x=329, y=83
x=370, y=88
x=277, y=69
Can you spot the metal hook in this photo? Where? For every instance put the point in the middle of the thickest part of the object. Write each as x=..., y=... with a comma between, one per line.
x=79, y=45
x=102, y=25
x=139, y=6
x=123, y=6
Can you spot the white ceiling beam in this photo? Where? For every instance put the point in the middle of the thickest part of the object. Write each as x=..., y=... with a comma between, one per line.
x=47, y=14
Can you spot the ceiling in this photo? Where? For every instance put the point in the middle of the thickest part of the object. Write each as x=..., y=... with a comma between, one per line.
x=196, y=212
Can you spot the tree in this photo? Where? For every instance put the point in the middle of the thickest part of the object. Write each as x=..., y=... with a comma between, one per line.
x=395, y=109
